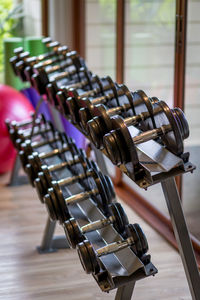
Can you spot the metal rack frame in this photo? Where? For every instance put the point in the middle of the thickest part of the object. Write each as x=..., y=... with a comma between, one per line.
x=124, y=291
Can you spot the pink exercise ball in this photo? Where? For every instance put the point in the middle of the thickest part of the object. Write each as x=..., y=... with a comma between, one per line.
x=13, y=106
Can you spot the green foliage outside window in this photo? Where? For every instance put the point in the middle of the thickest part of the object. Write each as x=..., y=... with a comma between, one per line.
x=10, y=23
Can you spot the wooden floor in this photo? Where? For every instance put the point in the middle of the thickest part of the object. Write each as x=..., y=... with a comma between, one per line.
x=24, y=274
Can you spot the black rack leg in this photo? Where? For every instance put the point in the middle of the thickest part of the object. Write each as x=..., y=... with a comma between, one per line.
x=182, y=236
x=15, y=179
x=49, y=243
x=125, y=292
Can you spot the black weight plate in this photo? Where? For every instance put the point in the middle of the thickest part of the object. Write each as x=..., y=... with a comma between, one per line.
x=31, y=173
x=23, y=158
x=73, y=109
x=35, y=162
x=88, y=257
x=164, y=116
x=40, y=186
x=79, y=237
x=99, y=125
x=114, y=88
x=109, y=188
x=183, y=124
x=46, y=177
x=60, y=204
x=49, y=200
x=73, y=232
x=142, y=104
x=121, y=219
x=126, y=95
x=119, y=143
x=69, y=232
x=84, y=116
x=132, y=232
x=142, y=237
x=97, y=181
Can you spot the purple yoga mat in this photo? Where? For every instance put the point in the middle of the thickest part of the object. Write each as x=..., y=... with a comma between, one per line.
x=74, y=133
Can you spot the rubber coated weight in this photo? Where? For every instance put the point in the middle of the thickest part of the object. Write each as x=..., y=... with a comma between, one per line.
x=171, y=128
x=117, y=217
x=28, y=147
x=175, y=119
x=45, y=178
x=87, y=99
x=101, y=122
x=35, y=160
x=86, y=81
x=89, y=256
x=60, y=201
x=105, y=193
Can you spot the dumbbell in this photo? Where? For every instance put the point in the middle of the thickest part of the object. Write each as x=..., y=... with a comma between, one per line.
x=171, y=127
x=19, y=135
x=102, y=121
x=41, y=136
x=79, y=165
x=82, y=169
x=90, y=109
x=25, y=68
x=117, y=217
x=89, y=256
x=99, y=188
x=22, y=124
x=35, y=160
x=41, y=129
x=83, y=76
x=25, y=60
x=14, y=59
x=19, y=54
x=86, y=81
x=28, y=147
x=42, y=77
x=104, y=87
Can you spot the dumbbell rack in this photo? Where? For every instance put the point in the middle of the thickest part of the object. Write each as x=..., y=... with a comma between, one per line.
x=157, y=169
x=116, y=275
x=173, y=166
x=163, y=171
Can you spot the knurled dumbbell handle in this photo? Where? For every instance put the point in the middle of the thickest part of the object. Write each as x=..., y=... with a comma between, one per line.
x=104, y=99
x=70, y=180
x=99, y=100
x=97, y=224
x=62, y=75
x=151, y=134
x=82, y=196
x=114, y=247
x=135, y=119
x=63, y=164
x=53, y=152
x=77, y=84
x=118, y=109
